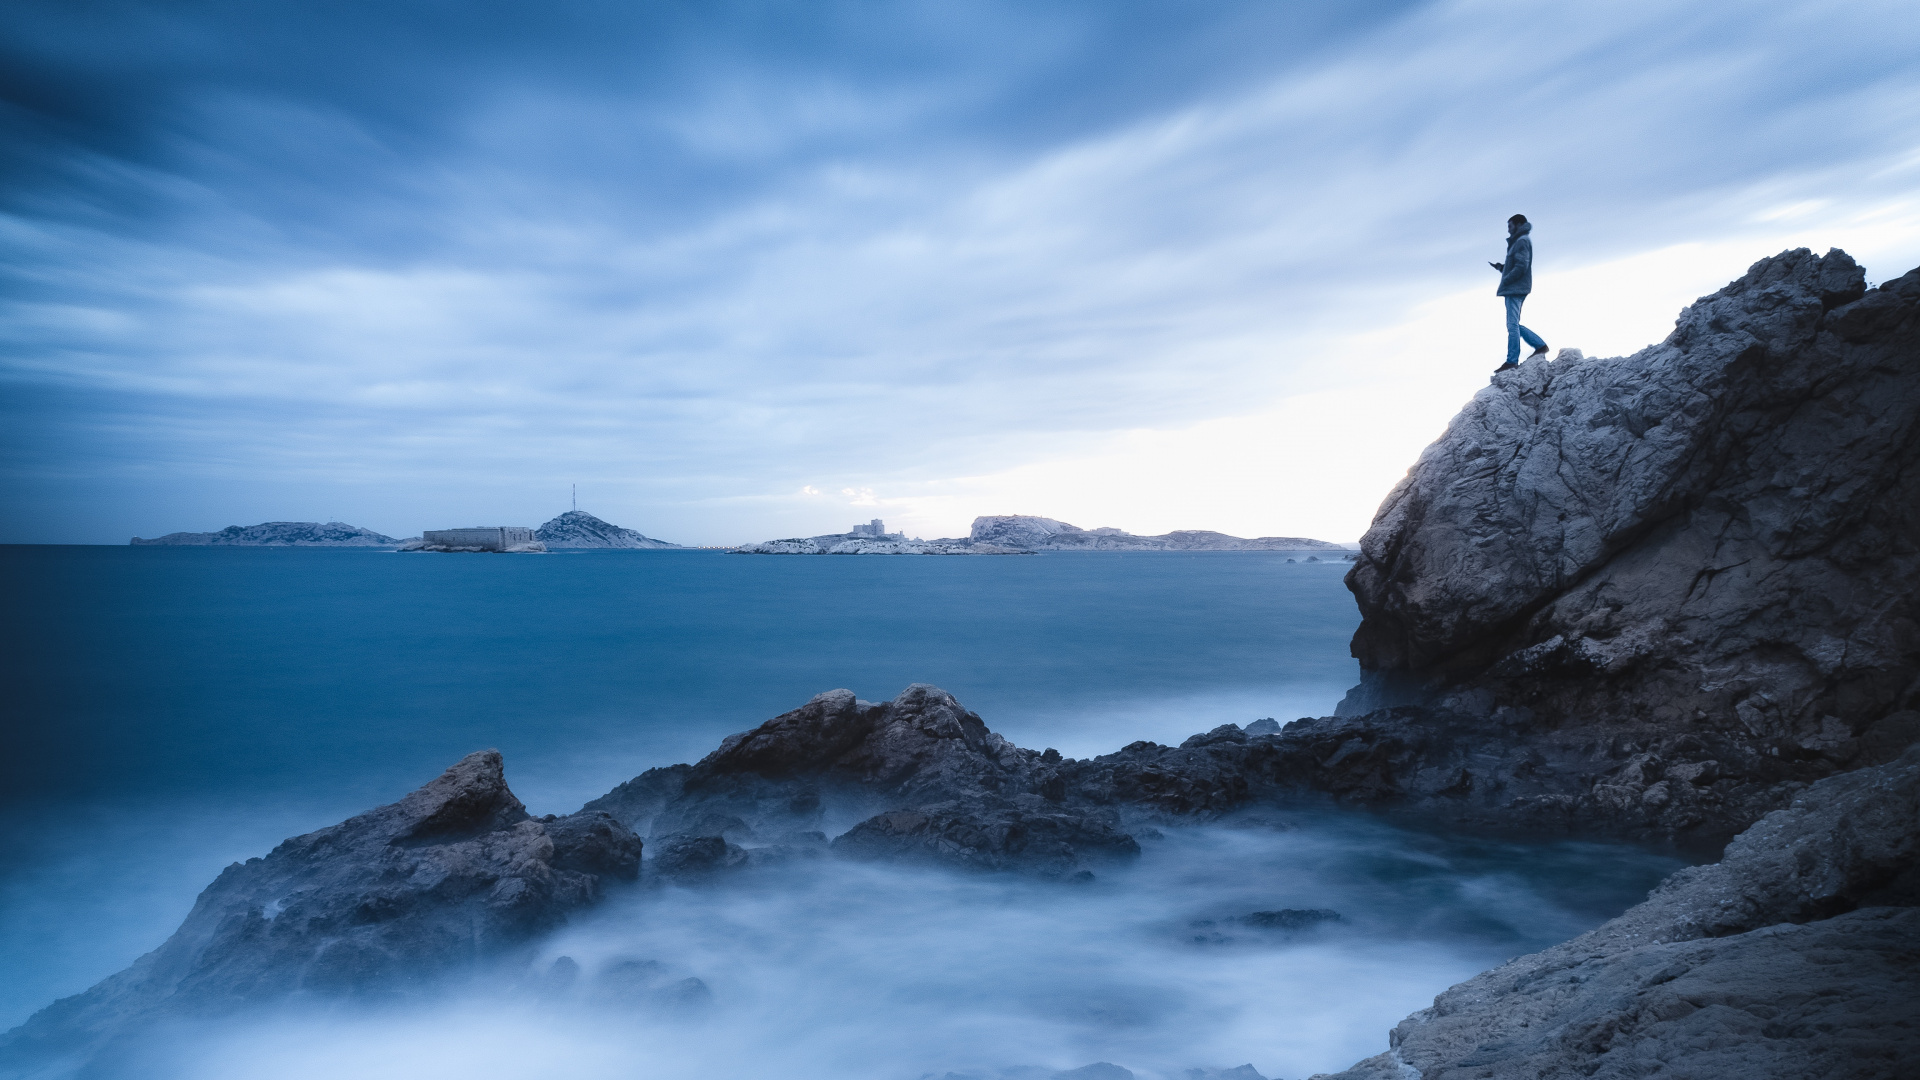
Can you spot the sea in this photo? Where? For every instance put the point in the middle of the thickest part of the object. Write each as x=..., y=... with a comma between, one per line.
x=171, y=710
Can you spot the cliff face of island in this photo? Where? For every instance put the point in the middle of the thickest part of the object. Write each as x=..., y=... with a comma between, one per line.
x=276, y=534
x=1046, y=534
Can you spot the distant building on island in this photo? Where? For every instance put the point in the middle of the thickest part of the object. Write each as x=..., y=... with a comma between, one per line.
x=874, y=528
x=482, y=538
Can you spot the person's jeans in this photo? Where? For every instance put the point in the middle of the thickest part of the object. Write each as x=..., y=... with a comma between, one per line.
x=1515, y=331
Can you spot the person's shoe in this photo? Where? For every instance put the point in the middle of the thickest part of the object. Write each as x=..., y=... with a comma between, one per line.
x=1508, y=366
x=1541, y=351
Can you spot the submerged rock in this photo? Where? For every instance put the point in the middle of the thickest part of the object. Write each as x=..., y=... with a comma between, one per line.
x=454, y=874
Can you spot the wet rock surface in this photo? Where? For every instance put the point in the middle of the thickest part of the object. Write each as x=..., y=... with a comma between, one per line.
x=1798, y=954
x=919, y=778
x=454, y=874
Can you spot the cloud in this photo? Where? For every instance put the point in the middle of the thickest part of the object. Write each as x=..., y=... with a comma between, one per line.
x=696, y=255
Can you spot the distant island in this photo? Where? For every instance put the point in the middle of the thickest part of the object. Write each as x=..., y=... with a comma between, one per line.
x=1046, y=534
x=276, y=534
x=575, y=529
x=1022, y=534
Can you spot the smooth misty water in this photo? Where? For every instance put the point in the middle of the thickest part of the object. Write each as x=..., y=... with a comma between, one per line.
x=171, y=710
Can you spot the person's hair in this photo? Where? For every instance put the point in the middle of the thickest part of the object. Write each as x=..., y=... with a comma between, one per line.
x=1517, y=219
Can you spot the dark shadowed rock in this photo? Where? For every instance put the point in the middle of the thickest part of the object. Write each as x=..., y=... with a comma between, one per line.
x=1290, y=918
x=693, y=857
x=1026, y=833
x=453, y=874
x=1798, y=954
x=919, y=777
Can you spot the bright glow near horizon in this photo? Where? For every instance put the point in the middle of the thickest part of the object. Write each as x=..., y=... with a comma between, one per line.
x=744, y=272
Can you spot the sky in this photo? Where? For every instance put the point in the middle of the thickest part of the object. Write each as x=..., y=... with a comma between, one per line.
x=745, y=270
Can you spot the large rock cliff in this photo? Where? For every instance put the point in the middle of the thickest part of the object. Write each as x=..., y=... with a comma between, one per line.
x=1689, y=566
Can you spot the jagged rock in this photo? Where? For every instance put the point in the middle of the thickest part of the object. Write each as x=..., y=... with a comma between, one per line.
x=1046, y=534
x=579, y=529
x=921, y=774
x=1266, y=726
x=276, y=534
x=452, y=874
x=1732, y=595
x=1798, y=954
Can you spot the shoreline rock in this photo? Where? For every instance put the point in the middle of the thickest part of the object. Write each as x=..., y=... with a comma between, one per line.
x=1795, y=955
x=454, y=875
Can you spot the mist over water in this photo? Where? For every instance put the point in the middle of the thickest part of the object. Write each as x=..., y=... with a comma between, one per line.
x=824, y=969
x=180, y=709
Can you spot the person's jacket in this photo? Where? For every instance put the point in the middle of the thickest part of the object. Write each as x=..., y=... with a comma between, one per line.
x=1516, y=273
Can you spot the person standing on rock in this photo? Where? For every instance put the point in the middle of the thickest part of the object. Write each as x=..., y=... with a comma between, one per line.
x=1516, y=281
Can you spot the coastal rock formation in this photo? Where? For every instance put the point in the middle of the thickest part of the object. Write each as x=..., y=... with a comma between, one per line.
x=918, y=777
x=276, y=534
x=454, y=874
x=1046, y=534
x=579, y=529
x=1645, y=579
x=1798, y=954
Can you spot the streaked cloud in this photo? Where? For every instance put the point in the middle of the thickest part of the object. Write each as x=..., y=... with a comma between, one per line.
x=1113, y=261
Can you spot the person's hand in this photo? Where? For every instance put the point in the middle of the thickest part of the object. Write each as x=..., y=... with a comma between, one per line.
x=1498, y=267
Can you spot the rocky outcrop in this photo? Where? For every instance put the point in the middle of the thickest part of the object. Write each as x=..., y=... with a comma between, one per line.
x=579, y=529
x=1798, y=954
x=276, y=534
x=454, y=874
x=1652, y=577
x=1046, y=534
x=919, y=777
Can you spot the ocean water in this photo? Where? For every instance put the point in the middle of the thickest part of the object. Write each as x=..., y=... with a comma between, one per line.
x=172, y=710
